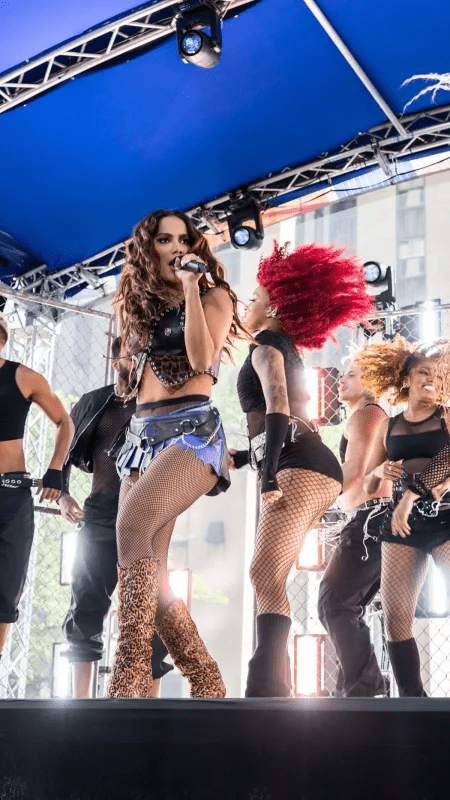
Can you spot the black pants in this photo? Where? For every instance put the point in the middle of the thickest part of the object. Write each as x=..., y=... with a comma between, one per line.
x=94, y=578
x=16, y=538
x=347, y=587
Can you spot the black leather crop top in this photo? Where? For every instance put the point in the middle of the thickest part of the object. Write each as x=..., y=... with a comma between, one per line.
x=14, y=407
x=166, y=349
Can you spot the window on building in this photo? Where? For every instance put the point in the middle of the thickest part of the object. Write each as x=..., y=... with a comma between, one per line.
x=343, y=222
x=300, y=229
x=410, y=273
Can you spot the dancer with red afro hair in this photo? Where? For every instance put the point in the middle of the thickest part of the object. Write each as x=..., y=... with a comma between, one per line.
x=301, y=299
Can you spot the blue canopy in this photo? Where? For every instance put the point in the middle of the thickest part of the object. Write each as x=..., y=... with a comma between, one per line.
x=84, y=162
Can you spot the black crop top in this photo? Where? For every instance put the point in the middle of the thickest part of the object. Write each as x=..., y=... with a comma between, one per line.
x=166, y=351
x=14, y=407
x=250, y=392
x=415, y=443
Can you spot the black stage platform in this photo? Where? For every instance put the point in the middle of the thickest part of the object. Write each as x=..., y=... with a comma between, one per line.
x=225, y=749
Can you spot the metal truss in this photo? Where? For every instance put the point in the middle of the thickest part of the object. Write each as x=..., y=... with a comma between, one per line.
x=381, y=146
x=111, y=40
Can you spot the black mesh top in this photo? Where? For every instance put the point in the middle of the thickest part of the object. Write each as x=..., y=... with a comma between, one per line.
x=251, y=395
x=105, y=479
x=416, y=442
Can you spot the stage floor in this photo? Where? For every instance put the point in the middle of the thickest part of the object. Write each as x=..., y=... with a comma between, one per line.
x=305, y=749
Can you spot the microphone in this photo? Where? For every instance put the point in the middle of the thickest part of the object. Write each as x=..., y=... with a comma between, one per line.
x=191, y=266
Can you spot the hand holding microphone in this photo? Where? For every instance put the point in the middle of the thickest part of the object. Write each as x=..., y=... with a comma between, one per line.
x=193, y=264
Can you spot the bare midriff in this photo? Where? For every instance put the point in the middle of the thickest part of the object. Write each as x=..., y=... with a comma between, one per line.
x=152, y=390
x=12, y=458
x=357, y=496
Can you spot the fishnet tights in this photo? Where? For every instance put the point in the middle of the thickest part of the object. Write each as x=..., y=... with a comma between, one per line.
x=282, y=528
x=403, y=571
x=149, y=505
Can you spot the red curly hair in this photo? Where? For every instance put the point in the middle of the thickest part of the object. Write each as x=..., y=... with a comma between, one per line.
x=316, y=289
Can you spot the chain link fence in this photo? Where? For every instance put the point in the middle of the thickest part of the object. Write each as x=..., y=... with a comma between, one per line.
x=68, y=346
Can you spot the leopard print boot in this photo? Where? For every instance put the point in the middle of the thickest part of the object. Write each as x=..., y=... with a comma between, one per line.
x=188, y=652
x=138, y=598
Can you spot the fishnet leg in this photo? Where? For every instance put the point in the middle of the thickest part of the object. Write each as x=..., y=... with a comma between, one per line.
x=281, y=530
x=160, y=545
x=169, y=486
x=403, y=571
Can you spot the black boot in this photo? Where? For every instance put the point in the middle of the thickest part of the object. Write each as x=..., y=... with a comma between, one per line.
x=405, y=660
x=267, y=673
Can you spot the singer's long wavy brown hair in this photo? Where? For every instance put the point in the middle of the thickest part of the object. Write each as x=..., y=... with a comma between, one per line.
x=143, y=293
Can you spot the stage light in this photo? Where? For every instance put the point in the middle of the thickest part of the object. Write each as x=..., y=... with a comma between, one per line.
x=243, y=236
x=379, y=284
x=61, y=672
x=373, y=272
x=308, y=664
x=312, y=554
x=194, y=45
x=68, y=548
x=180, y=581
x=191, y=43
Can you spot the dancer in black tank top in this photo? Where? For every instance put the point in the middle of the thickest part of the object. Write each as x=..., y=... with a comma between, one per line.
x=19, y=387
x=406, y=452
x=352, y=577
x=295, y=305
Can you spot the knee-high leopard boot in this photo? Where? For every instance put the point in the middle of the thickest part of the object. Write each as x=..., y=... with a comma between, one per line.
x=138, y=598
x=179, y=633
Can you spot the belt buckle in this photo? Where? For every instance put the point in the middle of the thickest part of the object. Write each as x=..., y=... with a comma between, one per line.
x=191, y=423
x=427, y=508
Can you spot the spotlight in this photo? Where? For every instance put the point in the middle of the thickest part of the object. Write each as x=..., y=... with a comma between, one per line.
x=379, y=284
x=245, y=237
x=194, y=45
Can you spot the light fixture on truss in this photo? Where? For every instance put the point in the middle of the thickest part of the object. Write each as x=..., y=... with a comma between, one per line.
x=195, y=45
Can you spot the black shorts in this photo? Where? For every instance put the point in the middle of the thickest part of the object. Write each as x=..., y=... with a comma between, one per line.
x=16, y=538
x=309, y=452
x=426, y=532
